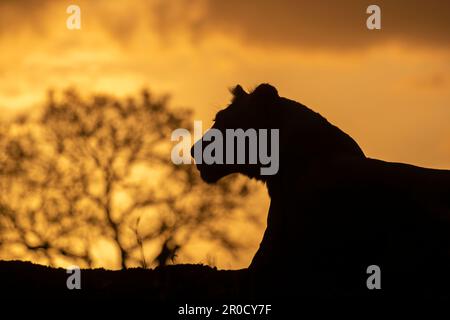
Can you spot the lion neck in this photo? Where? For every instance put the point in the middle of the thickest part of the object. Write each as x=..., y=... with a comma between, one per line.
x=307, y=138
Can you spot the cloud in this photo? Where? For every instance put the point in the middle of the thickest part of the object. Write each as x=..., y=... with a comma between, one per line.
x=435, y=80
x=329, y=23
x=20, y=14
x=298, y=24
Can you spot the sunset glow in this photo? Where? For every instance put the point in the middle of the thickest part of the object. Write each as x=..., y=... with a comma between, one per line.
x=389, y=89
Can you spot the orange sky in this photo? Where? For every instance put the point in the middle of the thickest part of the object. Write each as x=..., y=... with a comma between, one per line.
x=389, y=89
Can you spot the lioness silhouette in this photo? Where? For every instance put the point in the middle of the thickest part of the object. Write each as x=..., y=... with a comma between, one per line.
x=334, y=212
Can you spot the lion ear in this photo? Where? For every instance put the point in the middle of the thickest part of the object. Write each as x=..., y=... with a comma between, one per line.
x=238, y=92
x=265, y=92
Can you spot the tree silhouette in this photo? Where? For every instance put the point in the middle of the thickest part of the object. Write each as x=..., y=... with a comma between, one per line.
x=86, y=171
